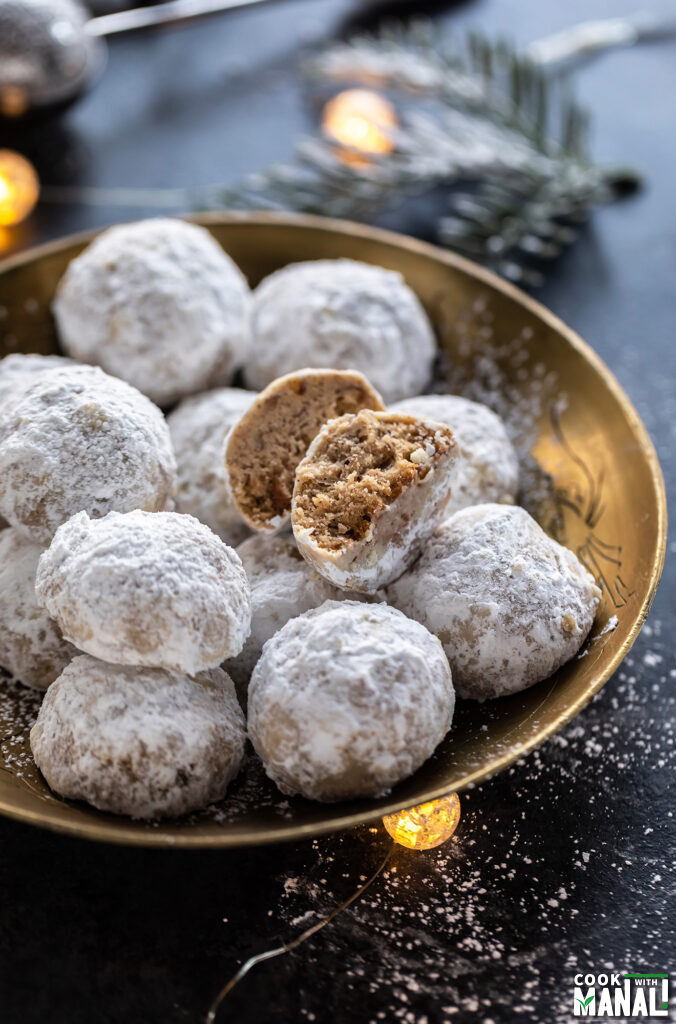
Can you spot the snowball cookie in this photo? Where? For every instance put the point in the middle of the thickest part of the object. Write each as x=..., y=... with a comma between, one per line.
x=486, y=469
x=345, y=315
x=199, y=427
x=369, y=493
x=157, y=589
x=17, y=371
x=509, y=604
x=266, y=445
x=78, y=439
x=139, y=741
x=31, y=646
x=159, y=304
x=282, y=586
x=347, y=700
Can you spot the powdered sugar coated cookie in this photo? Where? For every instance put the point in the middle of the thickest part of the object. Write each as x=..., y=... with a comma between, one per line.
x=78, y=439
x=158, y=303
x=346, y=315
x=264, y=447
x=347, y=700
x=509, y=604
x=31, y=645
x=139, y=741
x=486, y=469
x=199, y=429
x=283, y=585
x=18, y=370
x=157, y=589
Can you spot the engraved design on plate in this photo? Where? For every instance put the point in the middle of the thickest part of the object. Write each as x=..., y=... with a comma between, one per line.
x=582, y=496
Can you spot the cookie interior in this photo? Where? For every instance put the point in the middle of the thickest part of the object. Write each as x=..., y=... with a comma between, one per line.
x=360, y=466
x=272, y=437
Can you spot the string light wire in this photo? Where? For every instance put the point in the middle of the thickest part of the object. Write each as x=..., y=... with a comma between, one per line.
x=270, y=954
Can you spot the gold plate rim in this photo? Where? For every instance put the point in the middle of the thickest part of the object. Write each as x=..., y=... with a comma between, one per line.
x=122, y=833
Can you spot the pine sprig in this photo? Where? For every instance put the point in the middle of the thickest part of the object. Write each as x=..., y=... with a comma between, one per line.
x=508, y=143
x=509, y=221
x=486, y=79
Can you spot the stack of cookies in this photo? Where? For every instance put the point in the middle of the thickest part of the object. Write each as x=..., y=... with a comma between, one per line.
x=380, y=561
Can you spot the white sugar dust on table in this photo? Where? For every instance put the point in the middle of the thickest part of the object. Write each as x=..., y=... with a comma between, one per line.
x=438, y=928
x=19, y=706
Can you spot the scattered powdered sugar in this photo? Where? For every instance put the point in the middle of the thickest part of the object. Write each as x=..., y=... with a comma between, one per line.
x=533, y=888
x=610, y=626
x=19, y=708
x=498, y=371
x=251, y=788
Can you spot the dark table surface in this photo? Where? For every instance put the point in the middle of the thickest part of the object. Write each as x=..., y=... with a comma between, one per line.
x=564, y=862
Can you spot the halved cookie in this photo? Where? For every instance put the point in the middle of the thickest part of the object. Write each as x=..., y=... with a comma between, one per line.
x=370, y=492
x=271, y=438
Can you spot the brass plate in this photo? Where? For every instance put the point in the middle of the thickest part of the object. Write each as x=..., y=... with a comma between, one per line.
x=601, y=492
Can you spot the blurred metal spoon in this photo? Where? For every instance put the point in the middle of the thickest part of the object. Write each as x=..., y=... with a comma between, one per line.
x=590, y=37
x=52, y=50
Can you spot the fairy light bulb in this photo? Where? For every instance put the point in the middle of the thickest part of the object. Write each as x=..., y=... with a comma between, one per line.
x=19, y=188
x=361, y=120
x=427, y=825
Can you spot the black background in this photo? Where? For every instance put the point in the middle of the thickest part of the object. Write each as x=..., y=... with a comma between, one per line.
x=563, y=863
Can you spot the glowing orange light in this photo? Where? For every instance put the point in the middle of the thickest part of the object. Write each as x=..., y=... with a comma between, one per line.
x=13, y=101
x=19, y=187
x=427, y=825
x=361, y=120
